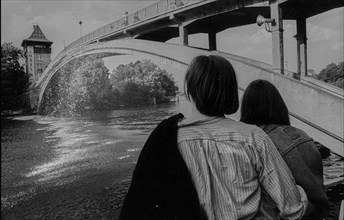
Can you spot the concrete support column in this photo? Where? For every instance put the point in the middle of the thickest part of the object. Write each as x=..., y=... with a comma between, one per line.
x=183, y=35
x=301, y=38
x=277, y=37
x=128, y=34
x=212, y=40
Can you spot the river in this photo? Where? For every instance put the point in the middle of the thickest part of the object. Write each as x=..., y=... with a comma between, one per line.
x=51, y=166
x=43, y=154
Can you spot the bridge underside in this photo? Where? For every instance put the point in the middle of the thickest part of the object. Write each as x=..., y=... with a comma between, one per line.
x=304, y=8
x=221, y=15
x=211, y=24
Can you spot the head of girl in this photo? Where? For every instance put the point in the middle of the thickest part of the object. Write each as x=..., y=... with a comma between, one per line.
x=210, y=83
x=263, y=104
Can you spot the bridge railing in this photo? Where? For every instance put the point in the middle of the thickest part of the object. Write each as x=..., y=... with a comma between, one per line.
x=143, y=14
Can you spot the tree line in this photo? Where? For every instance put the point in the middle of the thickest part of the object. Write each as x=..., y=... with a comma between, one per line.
x=86, y=83
x=332, y=74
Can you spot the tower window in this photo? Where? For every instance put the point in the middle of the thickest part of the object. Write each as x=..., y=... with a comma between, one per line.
x=39, y=56
x=39, y=66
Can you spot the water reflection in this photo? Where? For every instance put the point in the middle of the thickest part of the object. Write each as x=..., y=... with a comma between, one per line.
x=103, y=139
x=97, y=139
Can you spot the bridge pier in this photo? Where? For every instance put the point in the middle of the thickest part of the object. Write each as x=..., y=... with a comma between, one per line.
x=277, y=37
x=183, y=35
x=212, y=40
x=301, y=38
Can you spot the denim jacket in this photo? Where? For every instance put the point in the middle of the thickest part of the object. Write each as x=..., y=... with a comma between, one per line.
x=304, y=160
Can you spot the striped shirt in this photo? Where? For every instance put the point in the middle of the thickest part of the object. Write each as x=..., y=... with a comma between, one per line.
x=235, y=167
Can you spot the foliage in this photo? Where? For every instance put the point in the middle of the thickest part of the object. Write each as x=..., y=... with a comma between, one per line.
x=138, y=83
x=96, y=80
x=14, y=80
x=311, y=72
x=85, y=83
x=81, y=84
x=333, y=74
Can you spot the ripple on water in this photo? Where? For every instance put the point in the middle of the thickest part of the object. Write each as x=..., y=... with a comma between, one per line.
x=12, y=200
x=123, y=157
x=134, y=149
x=75, y=146
x=57, y=166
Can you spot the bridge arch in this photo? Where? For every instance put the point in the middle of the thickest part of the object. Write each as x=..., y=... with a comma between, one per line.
x=306, y=102
x=138, y=48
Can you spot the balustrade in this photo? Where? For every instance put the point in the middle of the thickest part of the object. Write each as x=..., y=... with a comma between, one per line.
x=145, y=13
x=138, y=16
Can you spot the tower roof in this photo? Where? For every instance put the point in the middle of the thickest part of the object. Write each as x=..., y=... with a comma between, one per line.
x=37, y=36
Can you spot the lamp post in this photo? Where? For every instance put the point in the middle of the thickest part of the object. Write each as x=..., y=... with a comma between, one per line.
x=80, y=22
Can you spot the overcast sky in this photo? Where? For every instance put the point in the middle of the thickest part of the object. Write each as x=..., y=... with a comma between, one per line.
x=59, y=21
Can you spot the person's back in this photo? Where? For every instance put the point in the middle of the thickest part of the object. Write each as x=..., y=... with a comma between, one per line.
x=304, y=160
x=230, y=162
x=263, y=105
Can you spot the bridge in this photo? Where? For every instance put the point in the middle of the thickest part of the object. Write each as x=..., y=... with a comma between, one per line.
x=315, y=107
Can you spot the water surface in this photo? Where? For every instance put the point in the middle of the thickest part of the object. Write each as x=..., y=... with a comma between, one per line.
x=52, y=152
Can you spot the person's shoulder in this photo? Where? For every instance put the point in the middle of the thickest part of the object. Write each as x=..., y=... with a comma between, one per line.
x=299, y=131
x=252, y=132
x=291, y=130
x=166, y=127
x=171, y=121
x=250, y=128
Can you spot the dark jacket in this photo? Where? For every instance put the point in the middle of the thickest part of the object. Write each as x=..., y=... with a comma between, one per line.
x=304, y=160
x=161, y=186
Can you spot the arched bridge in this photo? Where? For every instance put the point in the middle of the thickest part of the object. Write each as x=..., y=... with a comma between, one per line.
x=314, y=106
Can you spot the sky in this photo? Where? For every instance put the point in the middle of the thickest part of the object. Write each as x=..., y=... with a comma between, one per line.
x=59, y=21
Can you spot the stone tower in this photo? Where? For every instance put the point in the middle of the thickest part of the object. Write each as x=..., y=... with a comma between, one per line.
x=37, y=50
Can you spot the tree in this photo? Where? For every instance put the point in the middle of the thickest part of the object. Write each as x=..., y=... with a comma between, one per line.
x=138, y=83
x=79, y=85
x=96, y=79
x=333, y=74
x=14, y=80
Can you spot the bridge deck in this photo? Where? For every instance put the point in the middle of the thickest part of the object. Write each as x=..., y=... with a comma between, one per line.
x=198, y=15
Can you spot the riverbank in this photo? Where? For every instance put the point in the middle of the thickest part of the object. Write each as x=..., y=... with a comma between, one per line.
x=99, y=190
x=9, y=113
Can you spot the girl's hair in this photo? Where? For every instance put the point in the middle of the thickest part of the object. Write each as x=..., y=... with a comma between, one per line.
x=263, y=104
x=210, y=82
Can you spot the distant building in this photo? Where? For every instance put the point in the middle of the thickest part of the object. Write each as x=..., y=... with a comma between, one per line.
x=37, y=50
